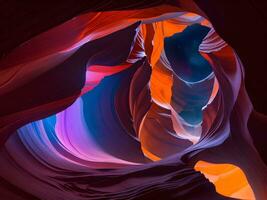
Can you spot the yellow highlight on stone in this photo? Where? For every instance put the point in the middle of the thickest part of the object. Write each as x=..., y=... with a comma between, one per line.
x=229, y=180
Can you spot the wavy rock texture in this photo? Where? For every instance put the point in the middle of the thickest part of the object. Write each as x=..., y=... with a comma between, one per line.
x=130, y=101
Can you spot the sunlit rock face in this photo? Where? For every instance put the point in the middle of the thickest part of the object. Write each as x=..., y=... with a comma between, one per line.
x=133, y=104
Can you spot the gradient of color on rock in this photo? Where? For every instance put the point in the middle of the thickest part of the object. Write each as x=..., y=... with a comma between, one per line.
x=155, y=96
